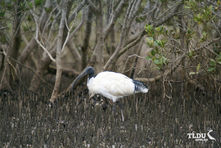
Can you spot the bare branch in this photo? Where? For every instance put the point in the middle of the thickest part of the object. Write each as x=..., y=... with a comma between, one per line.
x=68, y=34
x=36, y=38
x=27, y=50
x=179, y=59
x=114, y=17
x=27, y=67
x=48, y=22
x=42, y=46
x=170, y=15
x=131, y=44
x=93, y=7
x=44, y=16
x=24, y=37
x=73, y=50
x=78, y=27
x=133, y=41
x=1, y=28
x=129, y=17
x=77, y=10
x=51, y=31
x=58, y=53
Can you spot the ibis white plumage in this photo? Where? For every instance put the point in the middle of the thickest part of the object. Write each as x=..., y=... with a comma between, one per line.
x=111, y=85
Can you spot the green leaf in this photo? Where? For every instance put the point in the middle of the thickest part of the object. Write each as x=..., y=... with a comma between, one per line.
x=160, y=43
x=189, y=33
x=156, y=61
x=204, y=36
x=218, y=58
x=159, y=29
x=48, y=10
x=212, y=63
x=2, y=13
x=211, y=69
x=150, y=41
x=187, y=7
x=164, y=60
x=207, y=13
x=153, y=52
x=190, y=53
x=149, y=29
x=155, y=44
x=38, y=2
x=198, y=18
x=149, y=57
x=30, y=5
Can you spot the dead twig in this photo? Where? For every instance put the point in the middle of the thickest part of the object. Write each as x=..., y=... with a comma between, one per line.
x=27, y=67
x=36, y=38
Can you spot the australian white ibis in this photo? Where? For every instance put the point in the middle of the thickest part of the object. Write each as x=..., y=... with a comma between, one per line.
x=109, y=84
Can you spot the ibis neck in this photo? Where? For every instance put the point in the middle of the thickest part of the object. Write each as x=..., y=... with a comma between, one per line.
x=91, y=75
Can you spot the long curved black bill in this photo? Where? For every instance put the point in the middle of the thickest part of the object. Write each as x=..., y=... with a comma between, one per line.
x=87, y=71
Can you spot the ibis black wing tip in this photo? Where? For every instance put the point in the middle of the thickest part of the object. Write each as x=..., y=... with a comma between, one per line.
x=140, y=87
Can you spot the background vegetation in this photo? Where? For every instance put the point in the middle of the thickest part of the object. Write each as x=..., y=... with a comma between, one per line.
x=172, y=46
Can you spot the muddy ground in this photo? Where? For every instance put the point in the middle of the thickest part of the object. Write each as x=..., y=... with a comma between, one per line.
x=28, y=120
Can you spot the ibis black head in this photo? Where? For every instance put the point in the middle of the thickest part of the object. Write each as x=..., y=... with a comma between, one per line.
x=87, y=71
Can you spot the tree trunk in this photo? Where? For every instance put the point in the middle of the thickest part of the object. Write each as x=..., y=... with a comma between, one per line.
x=97, y=57
x=26, y=52
x=42, y=66
x=86, y=39
x=9, y=75
x=58, y=53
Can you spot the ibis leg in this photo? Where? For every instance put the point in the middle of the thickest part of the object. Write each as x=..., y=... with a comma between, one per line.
x=114, y=107
x=121, y=110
